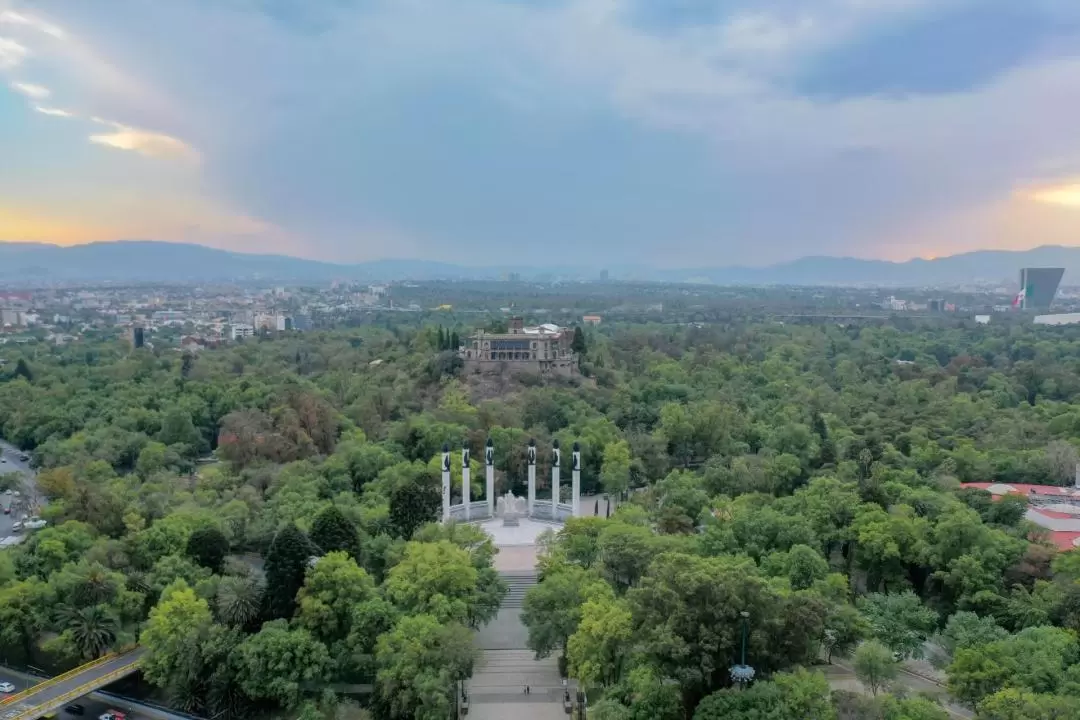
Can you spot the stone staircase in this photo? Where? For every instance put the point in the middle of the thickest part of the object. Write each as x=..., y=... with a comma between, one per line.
x=506, y=666
x=500, y=676
x=518, y=583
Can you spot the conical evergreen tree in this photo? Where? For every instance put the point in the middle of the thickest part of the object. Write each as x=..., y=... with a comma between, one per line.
x=286, y=562
x=332, y=531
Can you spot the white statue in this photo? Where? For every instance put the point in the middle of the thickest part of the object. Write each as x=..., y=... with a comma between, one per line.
x=510, y=508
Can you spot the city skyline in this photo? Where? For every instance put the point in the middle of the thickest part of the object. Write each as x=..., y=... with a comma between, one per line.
x=521, y=130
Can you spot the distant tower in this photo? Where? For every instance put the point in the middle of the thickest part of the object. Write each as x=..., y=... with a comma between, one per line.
x=1038, y=288
x=136, y=336
x=604, y=276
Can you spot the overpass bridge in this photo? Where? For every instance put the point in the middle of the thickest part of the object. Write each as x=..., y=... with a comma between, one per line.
x=54, y=693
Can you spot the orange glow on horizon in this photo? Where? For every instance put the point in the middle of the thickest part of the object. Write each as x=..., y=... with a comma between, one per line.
x=16, y=226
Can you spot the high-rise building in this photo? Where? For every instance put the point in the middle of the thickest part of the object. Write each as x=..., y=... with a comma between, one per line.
x=136, y=336
x=1038, y=287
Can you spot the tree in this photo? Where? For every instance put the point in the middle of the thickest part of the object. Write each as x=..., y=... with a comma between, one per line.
x=286, y=564
x=688, y=623
x=805, y=566
x=23, y=370
x=208, y=546
x=577, y=344
x=332, y=588
x=177, y=626
x=24, y=607
x=1061, y=461
x=552, y=608
x=900, y=621
x=436, y=579
x=239, y=601
x=967, y=630
x=875, y=666
x=596, y=651
x=92, y=630
x=1036, y=659
x=177, y=428
x=332, y=531
x=800, y=694
x=277, y=662
x=419, y=663
x=412, y=505
x=1017, y=704
x=615, y=472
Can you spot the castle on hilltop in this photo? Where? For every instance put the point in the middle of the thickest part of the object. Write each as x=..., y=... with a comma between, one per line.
x=543, y=349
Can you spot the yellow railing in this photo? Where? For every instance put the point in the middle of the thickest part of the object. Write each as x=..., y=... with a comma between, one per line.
x=13, y=699
x=84, y=689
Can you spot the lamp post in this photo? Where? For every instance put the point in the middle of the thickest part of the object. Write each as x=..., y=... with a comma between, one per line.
x=743, y=673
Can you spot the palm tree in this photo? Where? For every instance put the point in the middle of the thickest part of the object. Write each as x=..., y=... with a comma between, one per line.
x=239, y=600
x=93, y=630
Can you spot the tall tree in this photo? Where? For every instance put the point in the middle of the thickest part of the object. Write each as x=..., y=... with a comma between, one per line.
x=277, y=662
x=176, y=629
x=332, y=588
x=875, y=666
x=577, y=344
x=286, y=564
x=413, y=504
x=419, y=663
x=208, y=546
x=332, y=531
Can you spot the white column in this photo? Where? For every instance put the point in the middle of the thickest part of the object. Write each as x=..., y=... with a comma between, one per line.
x=489, y=461
x=465, y=489
x=556, y=460
x=575, y=475
x=446, y=483
x=532, y=475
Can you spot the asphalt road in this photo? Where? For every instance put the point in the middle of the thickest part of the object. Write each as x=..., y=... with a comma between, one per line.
x=93, y=707
x=11, y=463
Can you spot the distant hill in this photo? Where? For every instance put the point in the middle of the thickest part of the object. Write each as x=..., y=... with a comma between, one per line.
x=151, y=261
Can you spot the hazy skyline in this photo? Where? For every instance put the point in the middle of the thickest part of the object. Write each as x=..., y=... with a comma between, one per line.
x=499, y=131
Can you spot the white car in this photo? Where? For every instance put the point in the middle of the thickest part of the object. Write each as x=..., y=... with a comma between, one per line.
x=35, y=523
x=6, y=687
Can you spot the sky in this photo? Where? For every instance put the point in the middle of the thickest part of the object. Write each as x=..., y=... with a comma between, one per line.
x=601, y=132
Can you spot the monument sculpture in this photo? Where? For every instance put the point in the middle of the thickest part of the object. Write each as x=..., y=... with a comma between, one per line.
x=493, y=507
x=510, y=509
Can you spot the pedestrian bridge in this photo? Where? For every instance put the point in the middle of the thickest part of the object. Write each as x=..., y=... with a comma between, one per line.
x=54, y=693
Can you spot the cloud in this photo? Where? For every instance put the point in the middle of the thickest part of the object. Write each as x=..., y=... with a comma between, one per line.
x=1064, y=195
x=144, y=142
x=11, y=17
x=11, y=53
x=675, y=132
x=34, y=92
x=54, y=112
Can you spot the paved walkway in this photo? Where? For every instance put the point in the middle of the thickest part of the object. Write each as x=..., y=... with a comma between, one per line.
x=506, y=665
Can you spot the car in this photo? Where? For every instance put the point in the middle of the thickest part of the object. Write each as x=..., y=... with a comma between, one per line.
x=16, y=526
x=112, y=715
x=9, y=491
x=7, y=510
x=6, y=687
x=24, y=457
x=75, y=709
x=35, y=523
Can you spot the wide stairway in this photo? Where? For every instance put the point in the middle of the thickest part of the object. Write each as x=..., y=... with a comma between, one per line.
x=518, y=583
x=506, y=666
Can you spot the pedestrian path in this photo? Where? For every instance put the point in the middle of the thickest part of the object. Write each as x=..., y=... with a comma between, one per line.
x=506, y=666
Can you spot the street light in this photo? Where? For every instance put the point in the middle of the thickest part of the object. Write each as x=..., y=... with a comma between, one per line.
x=743, y=673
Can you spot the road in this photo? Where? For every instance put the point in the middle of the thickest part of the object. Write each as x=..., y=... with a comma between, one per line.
x=11, y=463
x=95, y=706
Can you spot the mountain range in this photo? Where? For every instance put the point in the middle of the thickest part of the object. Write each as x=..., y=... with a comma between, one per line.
x=133, y=261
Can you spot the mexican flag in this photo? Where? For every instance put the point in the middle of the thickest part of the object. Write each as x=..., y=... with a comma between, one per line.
x=1018, y=301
